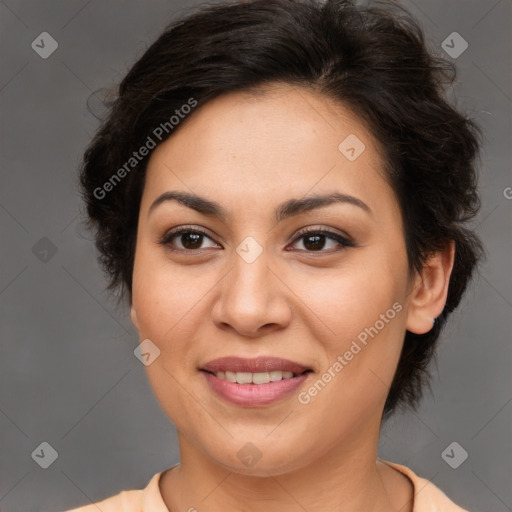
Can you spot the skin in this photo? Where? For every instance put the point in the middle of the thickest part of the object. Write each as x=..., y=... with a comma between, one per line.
x=249, y=153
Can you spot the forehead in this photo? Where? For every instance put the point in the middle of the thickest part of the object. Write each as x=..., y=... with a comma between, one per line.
x=255, y=148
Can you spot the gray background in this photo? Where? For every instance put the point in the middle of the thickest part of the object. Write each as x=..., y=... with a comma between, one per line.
x=68, y=375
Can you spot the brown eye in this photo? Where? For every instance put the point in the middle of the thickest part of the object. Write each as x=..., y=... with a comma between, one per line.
x=191, y=240
x=185, y=239
x=315, y=240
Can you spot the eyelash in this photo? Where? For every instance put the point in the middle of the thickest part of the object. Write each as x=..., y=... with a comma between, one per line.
x=345, y=242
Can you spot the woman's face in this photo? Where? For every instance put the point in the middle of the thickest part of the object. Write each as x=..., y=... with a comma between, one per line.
x=254, y=286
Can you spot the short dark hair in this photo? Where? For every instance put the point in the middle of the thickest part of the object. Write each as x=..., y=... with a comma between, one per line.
x=371, y=59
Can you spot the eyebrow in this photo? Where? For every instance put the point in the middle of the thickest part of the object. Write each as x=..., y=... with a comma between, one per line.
x=285, y=210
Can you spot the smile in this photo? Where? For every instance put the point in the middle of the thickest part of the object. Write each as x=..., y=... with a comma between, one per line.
x=254, y=382
x=255, y=378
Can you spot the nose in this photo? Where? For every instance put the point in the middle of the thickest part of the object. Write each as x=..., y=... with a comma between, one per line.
x=253, y=298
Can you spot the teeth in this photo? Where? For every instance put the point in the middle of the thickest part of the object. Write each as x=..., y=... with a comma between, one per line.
x=261, y=378
x=276, y=375
x=243, y=377
x=254, y=378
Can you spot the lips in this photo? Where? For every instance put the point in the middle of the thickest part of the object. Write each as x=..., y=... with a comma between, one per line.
x=256, y=365
x=254, y=382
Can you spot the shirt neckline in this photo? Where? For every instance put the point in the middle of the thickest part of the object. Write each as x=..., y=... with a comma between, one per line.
x=408, y=474
x=153, y=501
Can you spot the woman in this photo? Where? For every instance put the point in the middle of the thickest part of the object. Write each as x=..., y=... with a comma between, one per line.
x=280, y=191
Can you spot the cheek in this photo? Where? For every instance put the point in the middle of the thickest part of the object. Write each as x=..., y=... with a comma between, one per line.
x=165, y=300
x=165, y=296
x=352, y=299
x=363, y=307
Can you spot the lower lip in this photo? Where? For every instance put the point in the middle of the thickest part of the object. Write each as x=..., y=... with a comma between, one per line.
x=253, y=395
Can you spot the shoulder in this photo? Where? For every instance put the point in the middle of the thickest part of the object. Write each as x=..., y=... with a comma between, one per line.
x=427, y=497
x=135, y=500
x=125, y=501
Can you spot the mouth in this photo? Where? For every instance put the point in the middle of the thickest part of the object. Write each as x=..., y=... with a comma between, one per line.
x=254, y=365
x=256, y=378
x=254, y=382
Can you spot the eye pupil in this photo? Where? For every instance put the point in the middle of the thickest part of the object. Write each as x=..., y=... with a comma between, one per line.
x=318, y=242
x=195, y=237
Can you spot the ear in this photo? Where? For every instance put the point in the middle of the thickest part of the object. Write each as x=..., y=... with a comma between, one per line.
x=430, y=290
x=133, y=316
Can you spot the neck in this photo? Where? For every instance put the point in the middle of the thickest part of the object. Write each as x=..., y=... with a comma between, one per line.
x=344, y=479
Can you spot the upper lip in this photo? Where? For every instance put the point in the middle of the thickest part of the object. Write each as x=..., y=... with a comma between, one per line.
x=255, y=365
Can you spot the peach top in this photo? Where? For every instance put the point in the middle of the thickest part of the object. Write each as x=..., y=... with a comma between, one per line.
x=427, y=497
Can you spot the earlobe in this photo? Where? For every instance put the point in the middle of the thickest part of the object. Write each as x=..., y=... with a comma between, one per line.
x=428, y=297
x=133, y=317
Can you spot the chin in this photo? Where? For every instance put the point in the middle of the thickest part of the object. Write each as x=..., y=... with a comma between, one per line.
x=261, y=458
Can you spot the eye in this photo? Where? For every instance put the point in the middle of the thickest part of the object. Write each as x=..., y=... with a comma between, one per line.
x=314, y=240
x=190, y=239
